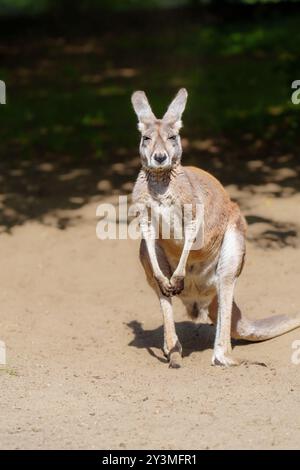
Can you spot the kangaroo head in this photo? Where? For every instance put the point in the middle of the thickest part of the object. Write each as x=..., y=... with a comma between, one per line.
x=160, y=146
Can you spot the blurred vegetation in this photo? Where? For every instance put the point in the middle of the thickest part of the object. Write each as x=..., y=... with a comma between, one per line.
x=69, y=87
x=34, y=7
x=72, y=94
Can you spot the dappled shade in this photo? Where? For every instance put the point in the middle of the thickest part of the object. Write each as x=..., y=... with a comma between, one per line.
x=68, y=132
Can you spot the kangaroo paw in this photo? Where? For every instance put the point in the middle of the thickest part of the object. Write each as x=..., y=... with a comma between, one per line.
x=175, y=360
x=164, y=285
x=174, y=356
x=225, y=360
x=177, y=283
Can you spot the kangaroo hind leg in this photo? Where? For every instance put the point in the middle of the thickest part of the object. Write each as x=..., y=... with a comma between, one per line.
x=229, y=266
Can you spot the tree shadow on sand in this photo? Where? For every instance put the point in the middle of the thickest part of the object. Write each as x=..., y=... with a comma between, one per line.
x=62, y=150
x=274, y=234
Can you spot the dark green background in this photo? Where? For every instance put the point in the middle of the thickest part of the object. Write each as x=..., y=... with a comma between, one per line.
x=70, y=68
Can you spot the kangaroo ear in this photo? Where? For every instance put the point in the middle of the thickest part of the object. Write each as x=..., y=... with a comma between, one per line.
x=143, y=109
x=176, y=108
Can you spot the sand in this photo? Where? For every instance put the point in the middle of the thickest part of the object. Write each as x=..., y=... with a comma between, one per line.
x=83, y=338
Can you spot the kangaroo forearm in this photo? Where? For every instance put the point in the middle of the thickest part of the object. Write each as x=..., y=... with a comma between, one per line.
x=148, y=233
x=192, y=231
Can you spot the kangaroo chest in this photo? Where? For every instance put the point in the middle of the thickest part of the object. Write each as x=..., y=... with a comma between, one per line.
x=201, y=266
x=167, y=216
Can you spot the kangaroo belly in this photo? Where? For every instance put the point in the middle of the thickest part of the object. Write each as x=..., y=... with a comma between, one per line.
x=199, y=281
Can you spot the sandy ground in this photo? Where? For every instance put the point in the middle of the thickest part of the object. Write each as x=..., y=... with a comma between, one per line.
x=83, y=335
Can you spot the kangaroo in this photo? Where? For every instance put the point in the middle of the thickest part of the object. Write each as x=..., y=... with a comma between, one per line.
x=203, y=278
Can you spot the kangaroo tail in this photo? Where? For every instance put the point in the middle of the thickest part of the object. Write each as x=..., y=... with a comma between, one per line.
x=256, y=330
x=260, y=330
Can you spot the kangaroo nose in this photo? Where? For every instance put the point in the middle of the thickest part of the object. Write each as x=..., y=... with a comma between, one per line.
x=160, y=157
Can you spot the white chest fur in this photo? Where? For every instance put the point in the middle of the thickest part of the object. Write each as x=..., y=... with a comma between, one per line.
x=167, y=216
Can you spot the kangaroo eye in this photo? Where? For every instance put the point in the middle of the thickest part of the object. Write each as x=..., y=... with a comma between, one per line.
x=172, y=137
x=146, y=138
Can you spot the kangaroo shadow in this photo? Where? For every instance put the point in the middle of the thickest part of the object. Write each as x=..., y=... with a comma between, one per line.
x=193, y=337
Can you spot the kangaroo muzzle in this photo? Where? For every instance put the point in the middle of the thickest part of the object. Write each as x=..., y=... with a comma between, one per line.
x=160, y=158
